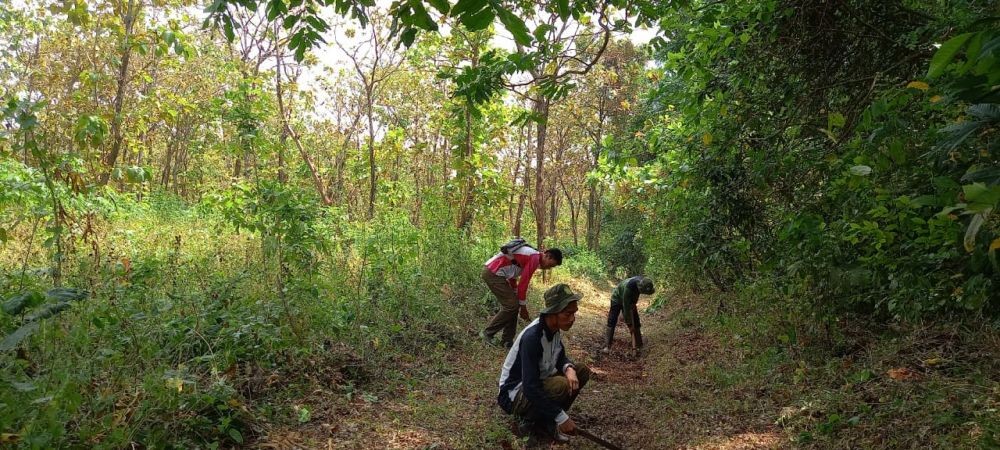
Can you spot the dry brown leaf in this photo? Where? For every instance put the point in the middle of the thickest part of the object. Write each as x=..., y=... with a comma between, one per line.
x=903, y=374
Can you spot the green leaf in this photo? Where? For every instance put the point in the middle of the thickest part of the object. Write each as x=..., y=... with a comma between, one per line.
x=23, y=387
x=408, y=36
x=542, y=30
x=478, y=21
x=236, y=435
x=440, y=5
x=973, y=230
x=515, y=25
x=945, y=54
x=835, y=120
x=47, y=311
x=227, y=29
x=66, y=294
x=861, y=170
x=18, y=303
x=11, y=341
x=422, y=18
x=467, y=6
x=275, y=8
x=562, y=6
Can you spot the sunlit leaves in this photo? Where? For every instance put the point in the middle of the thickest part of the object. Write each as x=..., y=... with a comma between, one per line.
x=945, y=54
x=90, y=130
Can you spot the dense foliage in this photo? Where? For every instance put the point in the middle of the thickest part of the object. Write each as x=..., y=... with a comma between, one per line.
x=200, y=217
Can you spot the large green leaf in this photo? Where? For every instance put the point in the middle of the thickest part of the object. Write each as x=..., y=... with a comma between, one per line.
x=66, y=294
x=12, y=340
x=562, y=7
x=440, y=5
x=945, y=54
x=478, y=21
x=973, y=230
x=20, y=302
x=421, y=18
x=515, y=25
x=467, y=6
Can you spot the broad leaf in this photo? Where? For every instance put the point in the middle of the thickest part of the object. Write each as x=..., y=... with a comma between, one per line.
x=861, y=170
x=440, y=5
x=515, y=25
x=945, y=54
x=12, y=340
x=18, y=303
x=478, y=21
x=66, y=294
x=467, y=6
x=46, y=311
x=973, y=230
x=421, y=18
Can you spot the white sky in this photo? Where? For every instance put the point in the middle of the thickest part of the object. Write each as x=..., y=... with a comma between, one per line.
x=332, y=59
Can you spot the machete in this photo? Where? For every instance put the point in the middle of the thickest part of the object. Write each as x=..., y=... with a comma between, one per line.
x=596, y=439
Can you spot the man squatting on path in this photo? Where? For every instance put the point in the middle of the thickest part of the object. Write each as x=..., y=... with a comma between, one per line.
x=625, y=298
x=503, y=275
x=538, y=383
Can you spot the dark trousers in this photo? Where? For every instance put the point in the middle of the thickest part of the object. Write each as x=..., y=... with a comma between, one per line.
x=616, y=311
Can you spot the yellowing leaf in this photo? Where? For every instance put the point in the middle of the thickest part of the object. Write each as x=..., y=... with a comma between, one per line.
x=707, y=138
x=9, y=438
x=995, y=244
x=918, y=85
x=936, y=98
x=175, y=383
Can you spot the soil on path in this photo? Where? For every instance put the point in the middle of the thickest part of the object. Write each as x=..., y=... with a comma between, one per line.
x=667, y=397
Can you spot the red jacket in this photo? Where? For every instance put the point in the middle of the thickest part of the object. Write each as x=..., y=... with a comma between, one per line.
x=518, y=275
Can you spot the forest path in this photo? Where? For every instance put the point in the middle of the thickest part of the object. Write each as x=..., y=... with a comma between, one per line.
x=668, y=397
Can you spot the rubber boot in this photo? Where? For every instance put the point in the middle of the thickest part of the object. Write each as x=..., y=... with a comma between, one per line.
x=609, y=338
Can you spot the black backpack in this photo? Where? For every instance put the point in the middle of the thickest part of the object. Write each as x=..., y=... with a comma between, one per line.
x=512, y=246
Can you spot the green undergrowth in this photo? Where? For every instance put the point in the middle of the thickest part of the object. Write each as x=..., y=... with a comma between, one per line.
x=185, y=340
x=850, y=383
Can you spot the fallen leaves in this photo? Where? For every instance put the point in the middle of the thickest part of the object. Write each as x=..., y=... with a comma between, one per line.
x=903, y=374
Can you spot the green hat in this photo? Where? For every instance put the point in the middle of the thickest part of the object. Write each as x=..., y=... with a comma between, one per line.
x=646, y=286
x=558, y=297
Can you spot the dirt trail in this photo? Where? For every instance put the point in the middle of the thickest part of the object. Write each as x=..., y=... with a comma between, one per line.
x=664, y=399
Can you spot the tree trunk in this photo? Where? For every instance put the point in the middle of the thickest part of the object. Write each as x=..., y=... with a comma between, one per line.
x=371, y=153
x=572, y=211
x=520, y=202
x=542, y=110
x=464, y=210
x=286, y=131
x=130, y=14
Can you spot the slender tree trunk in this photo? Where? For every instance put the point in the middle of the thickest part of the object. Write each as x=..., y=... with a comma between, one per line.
x=520, y=202
x=286, y=131
x=573, y=212
x=128, y=19
x=542, y=109
x=371, y=153
x=592, y=218
x=464, y=215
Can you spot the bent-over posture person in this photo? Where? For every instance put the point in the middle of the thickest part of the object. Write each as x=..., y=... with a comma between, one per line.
x=624, y=299
x=508, y=278
x=538, y=383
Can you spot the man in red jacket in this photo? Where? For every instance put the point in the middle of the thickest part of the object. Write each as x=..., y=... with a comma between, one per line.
x=508, y=277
